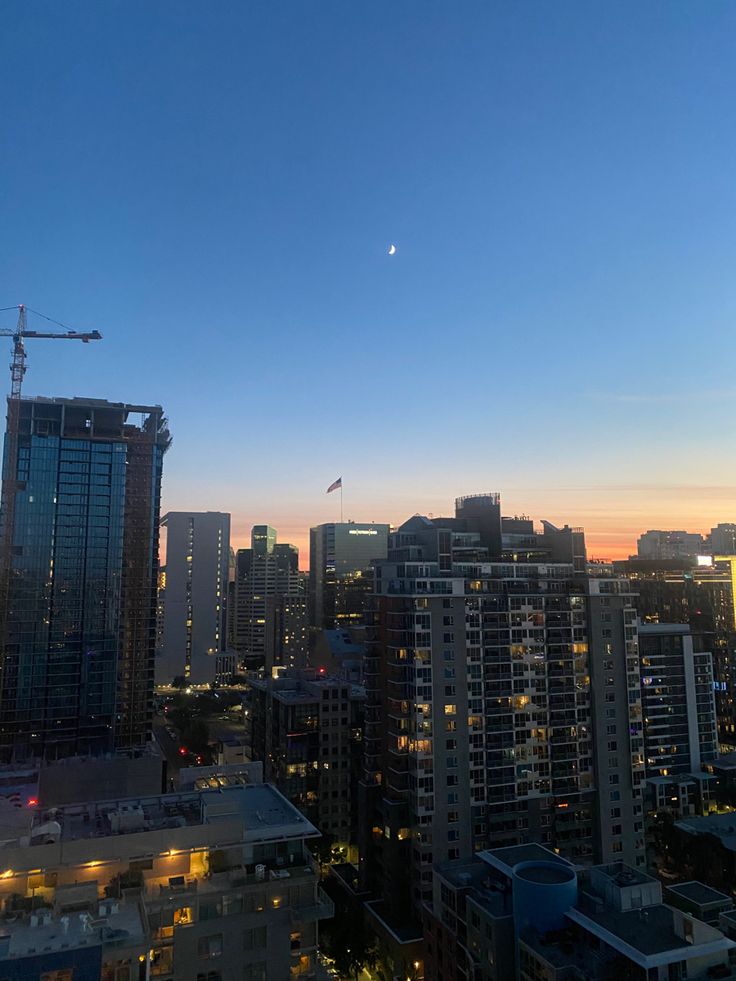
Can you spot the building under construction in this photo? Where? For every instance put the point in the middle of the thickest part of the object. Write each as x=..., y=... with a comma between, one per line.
x=80, y=519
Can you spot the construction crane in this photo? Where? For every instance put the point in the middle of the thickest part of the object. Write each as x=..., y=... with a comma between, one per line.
x=10, y=470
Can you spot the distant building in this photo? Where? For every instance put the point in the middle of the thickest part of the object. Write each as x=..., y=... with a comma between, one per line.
x=308, y=729
x=680, y=729
x=199, y=885
x=722, y=540
x=193, y=642
x=78, y=656
x=271, y=605
x=340, y=570
x=341, y=652
x=524, y=912
x=699, y=593
x=677, y=699
x=669, y=545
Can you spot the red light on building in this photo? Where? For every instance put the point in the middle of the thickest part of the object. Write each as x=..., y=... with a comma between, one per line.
x=33, y=801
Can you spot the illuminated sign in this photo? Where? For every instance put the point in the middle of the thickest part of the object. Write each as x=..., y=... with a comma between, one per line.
x=705, y=560
x=362, y=531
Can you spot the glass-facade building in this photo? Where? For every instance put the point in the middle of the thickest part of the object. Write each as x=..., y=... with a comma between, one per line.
x=78, y=651
x=341, y=557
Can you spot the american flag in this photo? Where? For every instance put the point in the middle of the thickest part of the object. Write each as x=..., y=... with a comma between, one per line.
x=334, y=486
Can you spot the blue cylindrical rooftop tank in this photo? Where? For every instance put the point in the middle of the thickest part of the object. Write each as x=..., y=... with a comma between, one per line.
x=542, y=893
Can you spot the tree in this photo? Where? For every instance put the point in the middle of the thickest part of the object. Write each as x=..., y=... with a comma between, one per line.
x=322, y=849
x=196, y=735
x=347, y=941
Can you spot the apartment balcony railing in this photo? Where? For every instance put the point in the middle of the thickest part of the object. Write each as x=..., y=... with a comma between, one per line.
x=323, y=909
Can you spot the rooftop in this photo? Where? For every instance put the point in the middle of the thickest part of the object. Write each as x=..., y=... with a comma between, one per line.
x=699, y=893
x=722, y=826
x=341, y=643
x=95, y=403
x=263, y=811
x=649, y=932
x=623, y=875
x=504, y=859
x=40, y=932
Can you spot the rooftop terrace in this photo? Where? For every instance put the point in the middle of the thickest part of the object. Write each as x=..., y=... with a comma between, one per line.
x=263, y=811
x=36, y=933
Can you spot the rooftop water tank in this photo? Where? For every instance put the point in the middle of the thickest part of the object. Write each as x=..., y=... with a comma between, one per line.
x=542, y=893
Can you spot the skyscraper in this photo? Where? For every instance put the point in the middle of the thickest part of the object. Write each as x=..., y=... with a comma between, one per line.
x=78, y=652
x=340, y=577
x=270, y=628
x=482, y=676
x=193, y=643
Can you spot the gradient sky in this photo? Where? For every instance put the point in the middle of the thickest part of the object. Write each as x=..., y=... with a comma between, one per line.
x=215, y=185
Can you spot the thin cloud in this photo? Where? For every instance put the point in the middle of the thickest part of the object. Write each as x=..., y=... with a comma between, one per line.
x=664, y=398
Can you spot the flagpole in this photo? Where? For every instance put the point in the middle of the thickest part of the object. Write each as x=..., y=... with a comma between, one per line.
x=341, y=518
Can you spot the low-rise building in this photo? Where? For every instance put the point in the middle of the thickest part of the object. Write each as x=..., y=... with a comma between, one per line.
x=200, y=886
x=526, y=912
x=700, y=900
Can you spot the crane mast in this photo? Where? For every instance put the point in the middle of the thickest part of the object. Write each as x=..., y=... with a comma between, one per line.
x=10, y=484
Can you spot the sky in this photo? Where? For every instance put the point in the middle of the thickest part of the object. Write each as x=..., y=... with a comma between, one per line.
x=215, y=187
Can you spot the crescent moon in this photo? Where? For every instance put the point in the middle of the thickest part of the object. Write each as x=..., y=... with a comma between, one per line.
x=392, y=250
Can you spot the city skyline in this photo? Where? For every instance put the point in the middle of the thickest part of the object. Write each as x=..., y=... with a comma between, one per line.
x=221, y=196
x=603, y=539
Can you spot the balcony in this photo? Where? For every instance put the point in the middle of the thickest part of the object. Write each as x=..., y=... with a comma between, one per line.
x=163, y=890
x=323, y=909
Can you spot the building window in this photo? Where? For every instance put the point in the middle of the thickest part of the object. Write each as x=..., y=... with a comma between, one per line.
x=210, y=946
x=255, y=938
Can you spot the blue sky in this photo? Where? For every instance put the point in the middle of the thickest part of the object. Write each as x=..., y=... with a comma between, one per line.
x=215, y=187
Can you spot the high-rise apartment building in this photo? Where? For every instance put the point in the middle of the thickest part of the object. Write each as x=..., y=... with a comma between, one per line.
x=680, y=728
x=307, y=728
x=698, y=592
x=77, y=658
x=502, y=707
x=669, y=545
x=340, y=570
x=680, y=732
x=270, y=627
x=193, y=642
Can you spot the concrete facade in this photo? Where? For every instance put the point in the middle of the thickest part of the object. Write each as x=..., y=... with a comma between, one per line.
x=193, y=638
